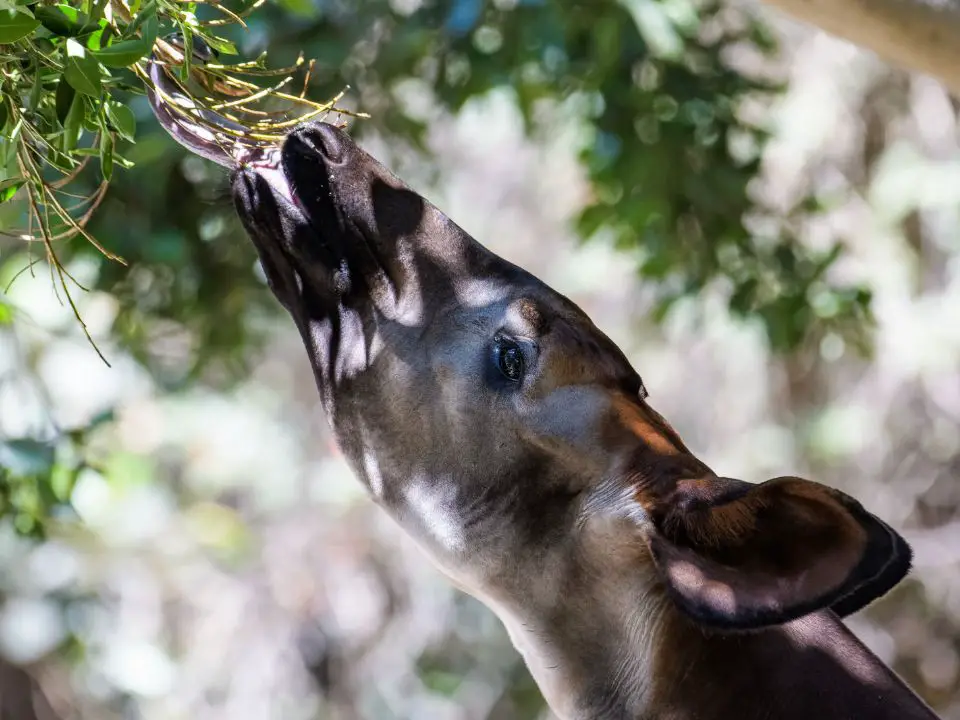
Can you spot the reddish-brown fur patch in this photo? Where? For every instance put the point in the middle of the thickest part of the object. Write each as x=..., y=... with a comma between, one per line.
x=649, y=428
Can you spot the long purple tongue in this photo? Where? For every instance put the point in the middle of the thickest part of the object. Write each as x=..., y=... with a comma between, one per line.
x=192, y=126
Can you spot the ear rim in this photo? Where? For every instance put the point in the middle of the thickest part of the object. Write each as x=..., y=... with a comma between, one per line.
x=885, y=561
x=888, y=576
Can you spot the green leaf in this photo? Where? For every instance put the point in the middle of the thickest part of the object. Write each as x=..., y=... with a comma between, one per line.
x=64, y=100
x=25, y=524
x=44, y=45
x=73, y=124
x=82, y=70
x=187, y=34
x=26, y=456
x=122, y=119
x=96, y=12
x=100, y=37
x=106, y=155
x=763, y=38
x=36, y=92
x=8, y=188
x=6, y=313
x=303, y=8
x=8, y=151
x=149, y=11
x=221, y=45
x=126, y=52
x=91, y=121
x=63, y=20
x=125, y=469
x=63, y=478
x=16, y=24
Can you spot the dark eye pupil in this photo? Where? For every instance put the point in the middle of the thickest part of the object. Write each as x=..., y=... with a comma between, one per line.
x=511, y=362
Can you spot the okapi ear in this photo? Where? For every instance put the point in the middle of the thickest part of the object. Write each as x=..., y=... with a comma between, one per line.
x=738, y=556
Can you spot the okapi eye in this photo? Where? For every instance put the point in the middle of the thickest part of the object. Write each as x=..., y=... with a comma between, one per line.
x=510, y=359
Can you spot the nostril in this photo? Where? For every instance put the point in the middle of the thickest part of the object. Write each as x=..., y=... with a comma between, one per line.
x=322, y=139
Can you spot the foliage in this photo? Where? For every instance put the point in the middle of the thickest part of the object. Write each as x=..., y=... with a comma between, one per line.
x=37, y=477
x=69, y=69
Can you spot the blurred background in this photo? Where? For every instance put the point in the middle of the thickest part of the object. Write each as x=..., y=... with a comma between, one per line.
x=766, y=219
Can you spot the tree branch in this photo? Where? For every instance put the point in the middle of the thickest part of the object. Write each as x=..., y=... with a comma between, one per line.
x=920, y=35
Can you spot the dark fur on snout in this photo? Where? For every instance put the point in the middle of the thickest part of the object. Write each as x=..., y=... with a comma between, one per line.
x=317, y=238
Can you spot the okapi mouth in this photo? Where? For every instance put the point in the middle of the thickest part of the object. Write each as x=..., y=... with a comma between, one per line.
x=306, y=203
x=207, y=133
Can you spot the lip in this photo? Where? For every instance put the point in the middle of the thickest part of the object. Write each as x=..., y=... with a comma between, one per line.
x=309, y=243
x=267, y=163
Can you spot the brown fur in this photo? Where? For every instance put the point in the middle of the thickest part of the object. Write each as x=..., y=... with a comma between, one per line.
x=637, y=583
x=810, y=669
